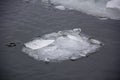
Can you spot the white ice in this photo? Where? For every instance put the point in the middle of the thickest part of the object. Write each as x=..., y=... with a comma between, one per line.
x=113, y=4
x=100, y=8
x=60, y=7
x=38, y=43
x=61, y=45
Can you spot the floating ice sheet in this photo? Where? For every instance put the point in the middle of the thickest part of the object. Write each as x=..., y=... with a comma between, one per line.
x=61, y=45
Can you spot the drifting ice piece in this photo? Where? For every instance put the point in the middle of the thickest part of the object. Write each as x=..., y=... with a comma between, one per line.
x=61, y=45
x=37, y=44
x=60, y=7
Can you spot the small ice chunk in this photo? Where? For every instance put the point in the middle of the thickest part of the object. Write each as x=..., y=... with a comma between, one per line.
x=60, y=7
x=47, y=60
x=73, y=37
x=77, y=29
x=73, y=58
x=103, y=18
x=83, y=55
x=95, y=41
x=37, y=44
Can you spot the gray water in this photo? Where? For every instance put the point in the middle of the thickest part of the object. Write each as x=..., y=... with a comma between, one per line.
x=22, y=21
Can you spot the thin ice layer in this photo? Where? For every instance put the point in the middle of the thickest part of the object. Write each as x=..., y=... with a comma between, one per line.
x=61, y=45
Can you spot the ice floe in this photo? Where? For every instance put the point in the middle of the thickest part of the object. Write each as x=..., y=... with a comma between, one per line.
x=61, y=45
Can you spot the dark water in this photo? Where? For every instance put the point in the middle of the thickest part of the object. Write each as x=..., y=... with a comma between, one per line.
x=22, y=21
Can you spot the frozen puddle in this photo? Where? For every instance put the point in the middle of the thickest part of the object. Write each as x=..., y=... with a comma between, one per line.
x=61, y=45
